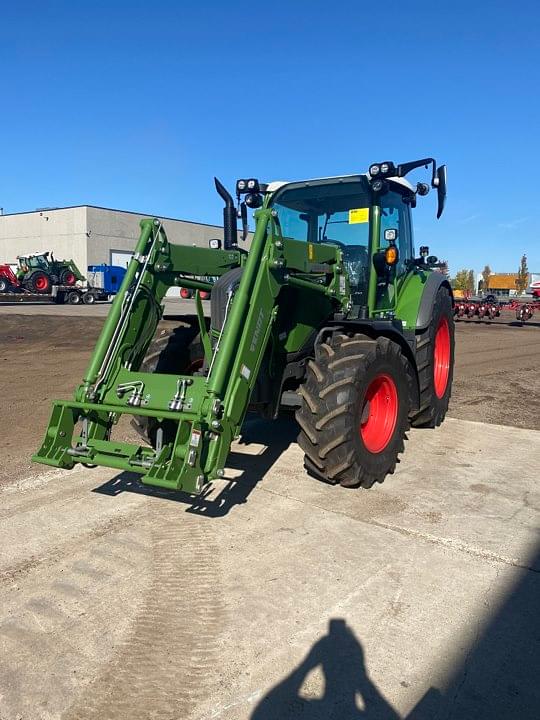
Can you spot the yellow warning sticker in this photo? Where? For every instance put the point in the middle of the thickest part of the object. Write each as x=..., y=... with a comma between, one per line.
x=310, y=251
x=358, y=215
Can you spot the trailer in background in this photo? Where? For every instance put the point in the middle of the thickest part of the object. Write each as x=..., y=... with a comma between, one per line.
x=59, y=294
x=106, y=279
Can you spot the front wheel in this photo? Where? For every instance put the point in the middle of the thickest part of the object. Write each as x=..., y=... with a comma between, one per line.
x=355, y=407
x=435, y=364
x=67, y=277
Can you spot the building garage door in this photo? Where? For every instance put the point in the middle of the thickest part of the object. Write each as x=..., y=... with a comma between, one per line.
x=121, y=258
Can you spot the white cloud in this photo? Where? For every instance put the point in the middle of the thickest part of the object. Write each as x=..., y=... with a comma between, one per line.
x=513, y=223
x=469, y=219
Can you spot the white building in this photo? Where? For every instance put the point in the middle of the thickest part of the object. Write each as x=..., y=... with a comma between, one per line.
x=89, y=235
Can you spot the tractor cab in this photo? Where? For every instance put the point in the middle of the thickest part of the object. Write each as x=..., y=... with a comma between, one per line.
x=35, y=261
x=345, y=212
x=368, y=217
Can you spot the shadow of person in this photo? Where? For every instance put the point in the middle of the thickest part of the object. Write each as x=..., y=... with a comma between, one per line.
x=348, y=694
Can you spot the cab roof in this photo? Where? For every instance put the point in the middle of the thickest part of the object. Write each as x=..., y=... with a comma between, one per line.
x=279, y=184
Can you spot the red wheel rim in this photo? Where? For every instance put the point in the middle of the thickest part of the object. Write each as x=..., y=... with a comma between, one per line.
x=379, y=413
x=441, y=357
x=42, y=283
x=184, y=293
x=70, y=279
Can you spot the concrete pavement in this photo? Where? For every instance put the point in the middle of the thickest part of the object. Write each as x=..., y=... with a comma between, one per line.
x=275, y=596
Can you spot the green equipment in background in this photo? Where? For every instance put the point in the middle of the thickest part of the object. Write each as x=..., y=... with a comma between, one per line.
x=330, y=313
x=38, y=272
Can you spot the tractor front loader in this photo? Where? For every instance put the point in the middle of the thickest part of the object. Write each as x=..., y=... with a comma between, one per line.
x=330, y=313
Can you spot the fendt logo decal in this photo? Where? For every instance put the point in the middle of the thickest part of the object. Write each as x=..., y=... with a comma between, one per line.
x=257, y=331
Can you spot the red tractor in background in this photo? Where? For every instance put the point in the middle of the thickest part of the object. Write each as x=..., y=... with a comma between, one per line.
x=187, y=294
x=8, y=280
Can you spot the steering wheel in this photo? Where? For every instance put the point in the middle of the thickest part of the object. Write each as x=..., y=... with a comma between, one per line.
x=355, y=253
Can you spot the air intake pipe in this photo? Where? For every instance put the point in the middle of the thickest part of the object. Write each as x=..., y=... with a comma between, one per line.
x=230, y=228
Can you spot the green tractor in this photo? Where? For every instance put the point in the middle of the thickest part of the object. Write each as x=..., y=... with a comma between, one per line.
x=330, y=314
x=39, y=271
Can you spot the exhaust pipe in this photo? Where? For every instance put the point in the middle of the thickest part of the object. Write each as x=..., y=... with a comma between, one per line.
x=230, y=227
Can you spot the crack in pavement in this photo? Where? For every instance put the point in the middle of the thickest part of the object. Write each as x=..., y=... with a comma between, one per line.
x=449, y=543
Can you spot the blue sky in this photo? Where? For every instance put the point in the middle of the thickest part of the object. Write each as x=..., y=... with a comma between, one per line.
x=136, y=105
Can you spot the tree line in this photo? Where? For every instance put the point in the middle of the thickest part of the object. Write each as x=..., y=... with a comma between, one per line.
x=464, y=279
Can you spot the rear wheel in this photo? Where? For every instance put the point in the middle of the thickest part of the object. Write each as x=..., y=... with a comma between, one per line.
x=435, y=363
x=354, y=413
x=73, y=298
x=89, y=298
x=38, y=282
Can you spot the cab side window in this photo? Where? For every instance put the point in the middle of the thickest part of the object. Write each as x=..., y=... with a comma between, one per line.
x=396, y=214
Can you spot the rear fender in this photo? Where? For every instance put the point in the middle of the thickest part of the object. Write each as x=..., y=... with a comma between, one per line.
x=434, y=281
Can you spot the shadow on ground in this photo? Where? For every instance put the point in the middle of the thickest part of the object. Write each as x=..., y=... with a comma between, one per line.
x=498, y=680
x=348, y=694
x=500, y=676
x=276, y=436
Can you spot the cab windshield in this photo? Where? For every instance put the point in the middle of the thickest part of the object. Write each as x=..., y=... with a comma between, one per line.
x=335, y=212
x=37, y=261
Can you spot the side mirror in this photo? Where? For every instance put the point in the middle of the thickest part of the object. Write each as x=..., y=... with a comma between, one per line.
x=379, y=263
x=440, y=184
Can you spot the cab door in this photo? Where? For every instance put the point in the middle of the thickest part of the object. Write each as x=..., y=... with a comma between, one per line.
x=396, y=215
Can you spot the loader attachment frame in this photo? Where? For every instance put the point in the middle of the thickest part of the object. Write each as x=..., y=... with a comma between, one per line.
x=207, y=409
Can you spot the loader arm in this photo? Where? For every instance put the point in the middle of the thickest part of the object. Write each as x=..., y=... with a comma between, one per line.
x=71, y=265
x=207, y=410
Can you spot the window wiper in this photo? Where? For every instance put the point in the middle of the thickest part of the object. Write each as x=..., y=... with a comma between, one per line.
x=328, y=216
